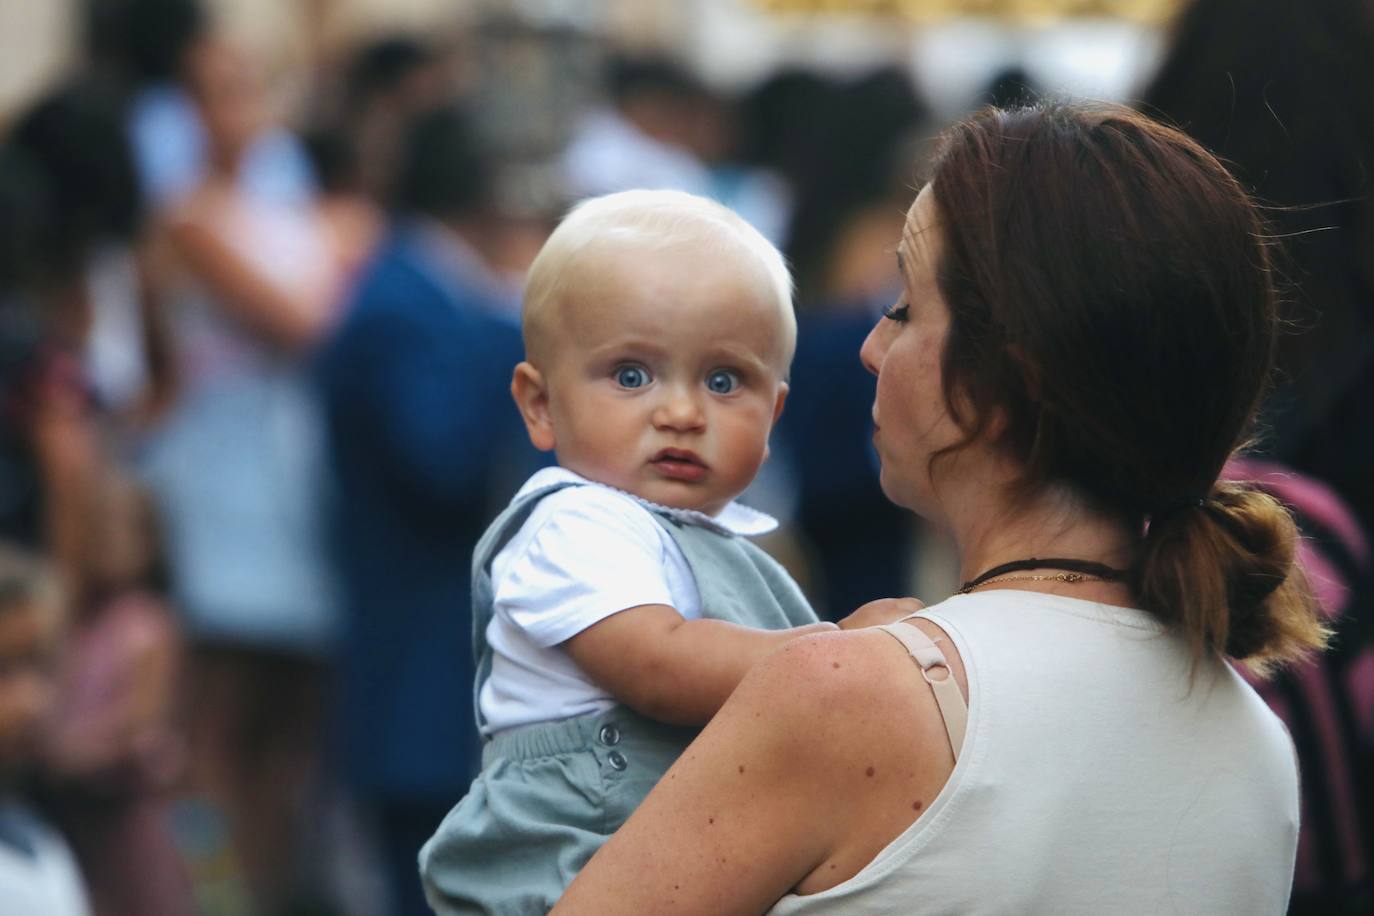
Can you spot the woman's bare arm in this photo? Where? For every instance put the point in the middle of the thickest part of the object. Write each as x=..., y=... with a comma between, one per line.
x=745, y=813
x=829, y=749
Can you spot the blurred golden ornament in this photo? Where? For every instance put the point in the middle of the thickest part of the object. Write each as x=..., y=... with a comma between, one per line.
x=931, y=10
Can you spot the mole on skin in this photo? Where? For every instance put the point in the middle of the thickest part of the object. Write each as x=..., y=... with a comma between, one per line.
x=916, y=806
x=869, y=772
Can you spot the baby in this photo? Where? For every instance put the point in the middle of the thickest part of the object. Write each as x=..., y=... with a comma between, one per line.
x=616, y=601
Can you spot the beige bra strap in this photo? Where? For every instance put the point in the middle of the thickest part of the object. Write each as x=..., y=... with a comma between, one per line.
x=935, y=669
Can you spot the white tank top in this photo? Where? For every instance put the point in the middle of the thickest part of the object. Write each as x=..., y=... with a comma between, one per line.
x=1092, y=779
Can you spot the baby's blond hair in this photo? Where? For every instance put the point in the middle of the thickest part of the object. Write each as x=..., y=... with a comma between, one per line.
x=659, y=220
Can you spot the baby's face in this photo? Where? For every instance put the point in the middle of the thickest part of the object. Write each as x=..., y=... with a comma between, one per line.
x=667, y=373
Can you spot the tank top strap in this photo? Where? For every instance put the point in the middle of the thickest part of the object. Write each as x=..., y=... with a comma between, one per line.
x=935, y=669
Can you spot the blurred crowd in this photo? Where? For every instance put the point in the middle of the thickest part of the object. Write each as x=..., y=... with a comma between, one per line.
x=254, y=372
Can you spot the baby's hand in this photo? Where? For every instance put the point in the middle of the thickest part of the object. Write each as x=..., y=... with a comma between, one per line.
x=883, y=610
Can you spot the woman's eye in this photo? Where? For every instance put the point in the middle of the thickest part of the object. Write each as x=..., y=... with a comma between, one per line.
x=722, y=381
x=897, y=313
x=632, y=376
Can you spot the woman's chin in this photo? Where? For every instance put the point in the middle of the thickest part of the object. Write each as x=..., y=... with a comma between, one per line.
x=895, y=490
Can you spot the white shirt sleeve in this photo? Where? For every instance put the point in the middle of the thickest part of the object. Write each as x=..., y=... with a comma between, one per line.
x=584, y=554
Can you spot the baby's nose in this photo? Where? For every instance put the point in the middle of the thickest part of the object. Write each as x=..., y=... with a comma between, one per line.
x=679, y=410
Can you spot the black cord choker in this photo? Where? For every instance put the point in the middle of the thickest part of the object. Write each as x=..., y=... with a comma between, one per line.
x=1083, y=567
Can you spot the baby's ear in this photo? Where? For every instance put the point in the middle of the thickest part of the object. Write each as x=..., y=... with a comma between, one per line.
x=777, y=412
x=782, y=399
x=531, y=395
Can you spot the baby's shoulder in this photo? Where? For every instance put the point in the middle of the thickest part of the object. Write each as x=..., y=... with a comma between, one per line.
x=587, y=518
x=593, y=502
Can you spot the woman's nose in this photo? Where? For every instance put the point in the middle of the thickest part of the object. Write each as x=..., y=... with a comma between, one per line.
x=875, y=346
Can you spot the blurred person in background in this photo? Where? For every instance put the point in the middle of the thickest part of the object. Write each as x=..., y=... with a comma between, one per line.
x=776, y=120
x=847, y=206
x=1284, y=92
x=426, y=446
x=662, y=127
x=112, y=296
x=37, y=871
x=710, y=127
x=236, y=468
x=27, y=229
x=142, y=47
x=110, y=754
x=384, y=84
x=358, y=126
x=853, y=172
x=643, y=137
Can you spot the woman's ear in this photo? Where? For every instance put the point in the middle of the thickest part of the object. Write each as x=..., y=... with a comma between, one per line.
x=531, y=395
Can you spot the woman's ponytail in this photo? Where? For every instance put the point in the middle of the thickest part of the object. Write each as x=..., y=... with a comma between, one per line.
x=1223, y=570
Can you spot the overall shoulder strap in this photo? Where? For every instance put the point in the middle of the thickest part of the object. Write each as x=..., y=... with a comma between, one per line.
x=935, y=669
x=736, y=579
x=497, y=536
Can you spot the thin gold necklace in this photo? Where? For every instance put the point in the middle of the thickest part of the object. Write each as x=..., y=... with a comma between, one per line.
x=1067, y=570
x=1067, y=578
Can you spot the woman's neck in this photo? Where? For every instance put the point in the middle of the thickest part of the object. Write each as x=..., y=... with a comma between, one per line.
x=1053, y=523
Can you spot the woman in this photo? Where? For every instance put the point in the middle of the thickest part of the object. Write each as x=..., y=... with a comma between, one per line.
x=1087, y=327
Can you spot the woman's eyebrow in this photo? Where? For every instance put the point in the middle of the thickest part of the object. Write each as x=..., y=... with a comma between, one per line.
x=901, y=263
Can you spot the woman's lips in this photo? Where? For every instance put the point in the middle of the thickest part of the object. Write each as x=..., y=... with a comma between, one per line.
x=679, y=464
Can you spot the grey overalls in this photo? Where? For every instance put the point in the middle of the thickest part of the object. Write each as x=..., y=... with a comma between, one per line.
x=550, y=794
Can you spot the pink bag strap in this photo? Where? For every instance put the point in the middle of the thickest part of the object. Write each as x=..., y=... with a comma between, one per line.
x=935, y=670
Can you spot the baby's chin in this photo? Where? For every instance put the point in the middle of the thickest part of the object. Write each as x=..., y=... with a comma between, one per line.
x=676, y=496
x=710, y=506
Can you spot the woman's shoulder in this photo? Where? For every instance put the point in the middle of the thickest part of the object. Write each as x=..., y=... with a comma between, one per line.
x=854, y=707
x=841, y=696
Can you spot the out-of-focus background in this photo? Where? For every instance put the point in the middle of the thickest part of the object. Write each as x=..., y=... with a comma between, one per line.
x=260, y=270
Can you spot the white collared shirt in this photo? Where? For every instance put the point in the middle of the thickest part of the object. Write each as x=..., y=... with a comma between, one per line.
x=585, y=553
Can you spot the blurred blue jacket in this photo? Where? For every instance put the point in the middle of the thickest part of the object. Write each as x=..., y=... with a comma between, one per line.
x=426, y=446
x=862, y=543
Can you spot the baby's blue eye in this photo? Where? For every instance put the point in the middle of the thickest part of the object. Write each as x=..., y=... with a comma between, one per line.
x=722, y=381
x=632, y=376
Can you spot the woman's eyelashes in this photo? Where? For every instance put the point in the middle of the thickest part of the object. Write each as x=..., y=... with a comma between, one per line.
x=897, y=312
x=632, y=375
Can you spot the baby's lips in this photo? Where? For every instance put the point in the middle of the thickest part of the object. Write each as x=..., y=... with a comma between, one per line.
x=679, y=454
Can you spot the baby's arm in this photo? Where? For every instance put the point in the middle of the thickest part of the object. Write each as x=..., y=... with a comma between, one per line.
x=669, y=668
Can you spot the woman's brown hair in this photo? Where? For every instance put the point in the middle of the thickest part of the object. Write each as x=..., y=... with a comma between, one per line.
x=1111, y=301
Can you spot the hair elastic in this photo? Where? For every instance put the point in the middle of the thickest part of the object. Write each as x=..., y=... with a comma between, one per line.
x=1177, y=507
